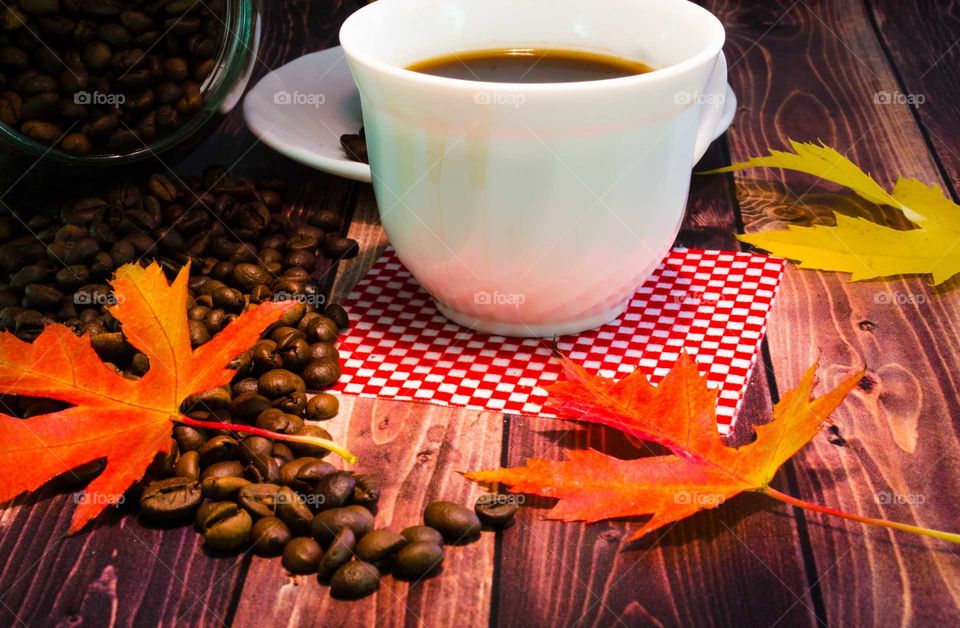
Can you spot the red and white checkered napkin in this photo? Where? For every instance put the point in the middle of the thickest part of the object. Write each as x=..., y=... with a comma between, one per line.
x=712, y=303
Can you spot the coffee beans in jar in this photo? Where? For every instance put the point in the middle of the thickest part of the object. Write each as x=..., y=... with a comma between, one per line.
x=101, y=76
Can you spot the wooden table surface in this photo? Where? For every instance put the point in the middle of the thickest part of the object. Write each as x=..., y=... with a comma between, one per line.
x=802, y=69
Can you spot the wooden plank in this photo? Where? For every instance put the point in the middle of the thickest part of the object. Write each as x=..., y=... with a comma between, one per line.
x=703, y=571
x=807, y=73
x=923, y=40
x=118, y=571
x=417, y=451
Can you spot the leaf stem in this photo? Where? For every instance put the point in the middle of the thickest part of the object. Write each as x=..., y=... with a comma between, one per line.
x=903, y=527
x=256, y=431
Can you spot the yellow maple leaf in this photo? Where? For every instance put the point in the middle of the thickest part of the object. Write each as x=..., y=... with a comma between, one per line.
x=859, y=246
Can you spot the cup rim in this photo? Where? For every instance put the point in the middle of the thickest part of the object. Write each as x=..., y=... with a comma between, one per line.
x=352, y=29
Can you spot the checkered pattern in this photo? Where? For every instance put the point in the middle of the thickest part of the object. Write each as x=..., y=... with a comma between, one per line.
x=712, y=303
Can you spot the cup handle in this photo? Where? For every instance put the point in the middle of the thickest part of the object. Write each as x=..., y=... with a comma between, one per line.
x=711, y=107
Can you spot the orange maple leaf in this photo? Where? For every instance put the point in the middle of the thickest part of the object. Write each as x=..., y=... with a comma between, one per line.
x=125, y=421
x=680, y=414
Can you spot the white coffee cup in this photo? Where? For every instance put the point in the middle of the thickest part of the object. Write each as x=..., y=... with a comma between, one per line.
x=535, y=209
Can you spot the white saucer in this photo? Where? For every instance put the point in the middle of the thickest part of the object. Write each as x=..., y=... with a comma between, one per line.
x=302, y=109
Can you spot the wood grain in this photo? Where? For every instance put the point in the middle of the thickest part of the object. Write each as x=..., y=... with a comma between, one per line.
x=119, y=571
x=702, y=571
x=812, y=72
x=417, y=451
x=922, y=39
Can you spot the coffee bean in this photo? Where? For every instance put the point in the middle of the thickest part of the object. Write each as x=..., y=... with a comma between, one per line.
x=277, y=420
x=324, y=352
x=226, y=526
x=263, y=469
x=40, y=131
x=292, y=509
x=210, y=400
x=456, y=523
x=354, y=580
x=223, y=488
x=246, y=385
x=302, y=555
x=248, y=406
x=76, y=144
x=265, y=357
x=199, y=334
x=418, y=560
x=322, y=329
x=282, y=452
x=378, y=546
x=295, y=354
x=269, y=535
x=338, y=315
x=320, y=374
x=496, y=510
x=259, y=499
x=280, y=382
x=245, y=276
x=326, y=219
x=218, y=449
x=288, y=472
x=188, y=465
x=422, y=534
x=188, y=438
x=163, y=462
x=284, y=334
x=328, y=523
x=341, y=248
x=222, y=469
x=41, y=297
x=338, y=552
x=367, y=490
x=40, y=7
x=322, y=406
x=171, y=499
x=309, y=474
x=253, y=447
x=308, y=449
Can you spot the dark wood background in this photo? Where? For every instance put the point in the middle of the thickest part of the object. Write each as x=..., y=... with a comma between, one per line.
x=802, y=69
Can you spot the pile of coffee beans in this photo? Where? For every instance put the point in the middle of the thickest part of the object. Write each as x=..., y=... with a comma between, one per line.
x=105, y=76
x=254, y=494
x=241, y=492
x=242, y=249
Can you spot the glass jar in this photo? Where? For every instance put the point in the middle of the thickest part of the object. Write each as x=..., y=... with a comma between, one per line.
x=26, y=163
